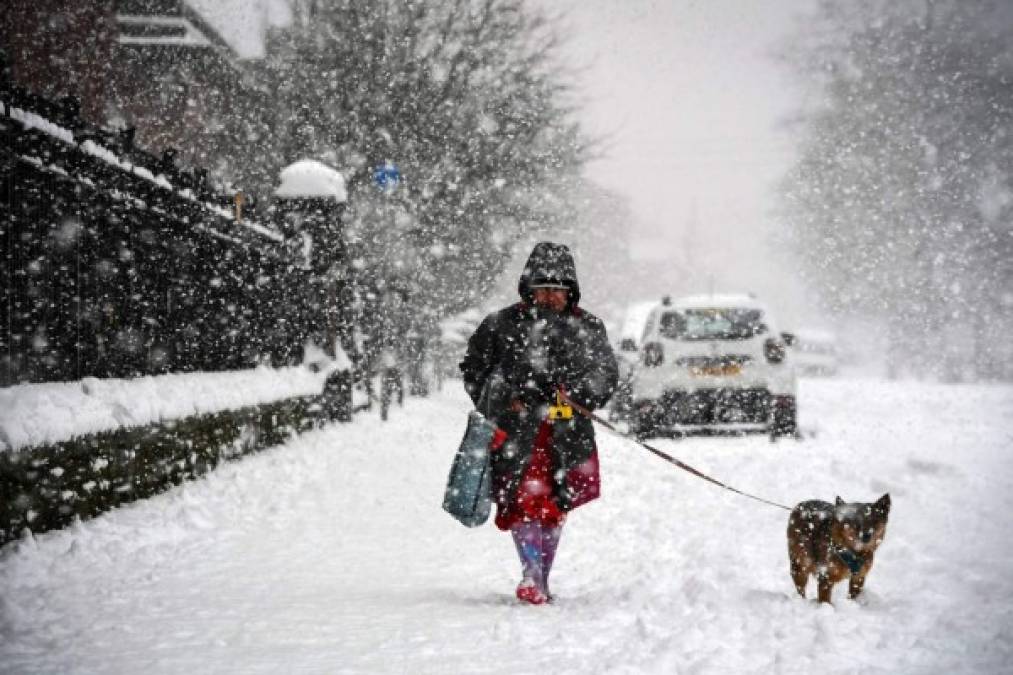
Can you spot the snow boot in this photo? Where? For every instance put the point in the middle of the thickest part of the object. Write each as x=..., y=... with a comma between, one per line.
x=529, y=592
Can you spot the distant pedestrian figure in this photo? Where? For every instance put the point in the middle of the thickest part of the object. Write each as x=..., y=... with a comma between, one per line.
x=518, y=360
x=389, y=348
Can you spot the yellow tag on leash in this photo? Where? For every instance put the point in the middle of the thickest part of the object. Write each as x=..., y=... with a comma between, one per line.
x=560, y=411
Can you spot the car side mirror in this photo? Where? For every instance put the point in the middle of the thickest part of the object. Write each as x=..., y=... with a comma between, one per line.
x=653, y=355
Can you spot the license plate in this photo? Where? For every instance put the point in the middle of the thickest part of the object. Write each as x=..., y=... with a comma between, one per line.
x=716, y=371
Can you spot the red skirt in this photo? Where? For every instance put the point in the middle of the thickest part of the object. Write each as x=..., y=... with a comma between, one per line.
x=533, y=500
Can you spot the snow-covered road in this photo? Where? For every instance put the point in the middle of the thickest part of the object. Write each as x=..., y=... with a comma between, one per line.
x=331, y=555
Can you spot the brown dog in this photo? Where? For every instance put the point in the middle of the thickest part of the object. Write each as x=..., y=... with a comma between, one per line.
x=833, y=542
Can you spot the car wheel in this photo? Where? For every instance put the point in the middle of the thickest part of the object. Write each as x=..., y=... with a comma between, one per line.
x=645, y=420
x=784, y=420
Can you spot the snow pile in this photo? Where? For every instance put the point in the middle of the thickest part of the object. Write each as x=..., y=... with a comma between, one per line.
x=36, y=414
x=317, y=359
x=332, y=554
x=311, y=179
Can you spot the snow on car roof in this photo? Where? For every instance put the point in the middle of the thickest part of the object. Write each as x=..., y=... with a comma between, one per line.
x=702, y=301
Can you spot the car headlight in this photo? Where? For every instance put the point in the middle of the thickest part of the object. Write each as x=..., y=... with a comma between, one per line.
x=653, y=354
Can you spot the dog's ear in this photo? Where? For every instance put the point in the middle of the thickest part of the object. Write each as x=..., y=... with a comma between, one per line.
x=838, y=502
x=882, y=504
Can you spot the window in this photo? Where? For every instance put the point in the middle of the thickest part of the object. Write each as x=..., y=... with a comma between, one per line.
x=712, y=324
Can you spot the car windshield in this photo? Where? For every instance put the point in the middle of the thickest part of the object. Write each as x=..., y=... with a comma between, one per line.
x=724, y=323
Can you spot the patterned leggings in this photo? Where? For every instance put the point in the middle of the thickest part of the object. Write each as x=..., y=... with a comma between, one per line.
x=536, y=545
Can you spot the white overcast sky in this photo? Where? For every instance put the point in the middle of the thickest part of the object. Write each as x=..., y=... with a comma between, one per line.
x=692, y=100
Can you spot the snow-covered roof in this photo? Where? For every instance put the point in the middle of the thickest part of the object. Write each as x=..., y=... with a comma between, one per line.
x=238, y=26
x=309, y=178
x=243, y=24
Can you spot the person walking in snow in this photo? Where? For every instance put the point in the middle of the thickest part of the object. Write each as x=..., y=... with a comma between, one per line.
x=518, y=362
x=389, y=319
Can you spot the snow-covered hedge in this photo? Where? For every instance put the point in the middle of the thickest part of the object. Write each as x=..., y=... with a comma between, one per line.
x=78, y=449
x=47, y=413
x=47, y=487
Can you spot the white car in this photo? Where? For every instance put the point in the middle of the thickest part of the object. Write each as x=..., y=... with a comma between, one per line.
x=628, y=354
x=713, y=363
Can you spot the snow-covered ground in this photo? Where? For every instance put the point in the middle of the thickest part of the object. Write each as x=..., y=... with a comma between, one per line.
x=331, y=555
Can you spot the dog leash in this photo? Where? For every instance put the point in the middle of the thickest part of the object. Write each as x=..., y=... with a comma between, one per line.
x=664, y=455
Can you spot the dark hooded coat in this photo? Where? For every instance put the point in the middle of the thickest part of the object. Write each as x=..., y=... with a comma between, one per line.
x=524, y=352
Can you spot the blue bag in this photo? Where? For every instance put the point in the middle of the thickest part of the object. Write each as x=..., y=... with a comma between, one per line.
x=468, y=497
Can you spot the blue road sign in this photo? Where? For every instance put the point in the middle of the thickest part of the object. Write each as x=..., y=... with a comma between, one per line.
x=386, y=176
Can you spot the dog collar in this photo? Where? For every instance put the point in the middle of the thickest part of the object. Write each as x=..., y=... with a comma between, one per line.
x=851, y=559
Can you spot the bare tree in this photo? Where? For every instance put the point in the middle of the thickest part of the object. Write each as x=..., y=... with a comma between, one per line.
x=465, y=97
x=900, y=202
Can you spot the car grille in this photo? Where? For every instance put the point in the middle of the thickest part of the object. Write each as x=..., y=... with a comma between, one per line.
x=722, y=361
x=715, y=406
